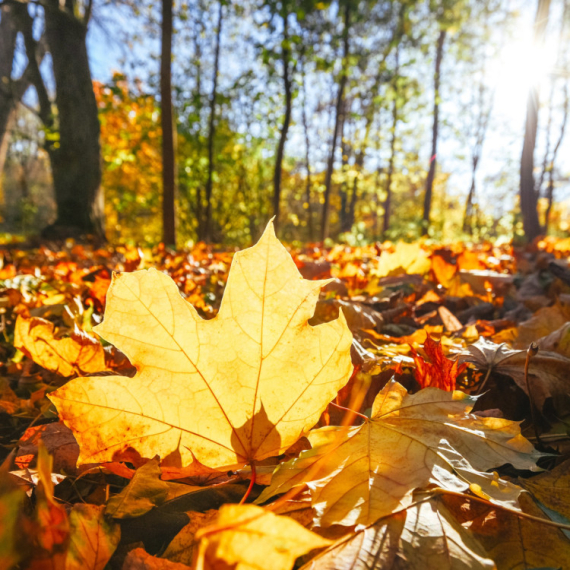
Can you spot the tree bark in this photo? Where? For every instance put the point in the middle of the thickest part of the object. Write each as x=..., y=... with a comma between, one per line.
x=8, y=99
x=308, y=185
x=76, y=156
x=550, y=188
x=435, y=131
x=390, y=174
x=286, y=60
x=338, y=111
x=528, y=196
x=212, y=131
x=167, y=124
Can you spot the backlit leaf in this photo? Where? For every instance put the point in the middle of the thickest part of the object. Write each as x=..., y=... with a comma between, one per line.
x=246, y=537
x=412, y=441
x=235, y=389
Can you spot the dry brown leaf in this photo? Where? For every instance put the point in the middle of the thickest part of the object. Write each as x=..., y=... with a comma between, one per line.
x=181, y=548
x=557, y=341
x=544, y=322
x=229, y=391
x=68, y=356
x=411, y=442
x=139, y=559
x=548, y=371
x=552, y=489
x=247, y=537
x=424, y=537
x=514, y=543
x=59, y=442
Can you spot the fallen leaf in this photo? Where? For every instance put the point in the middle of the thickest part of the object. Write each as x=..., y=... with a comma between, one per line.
x=424, y=537
x=552, y=489
x=139, y=559
x=92, y=540
x=513, y=542
x=373, y=547
x=144, y=491
x=443, y=271
x=407, y=258
x=440, y=372
x=233, y=390
x=412, y=441
x=481, y=281
x=544, y=322
x=548, y=371
x=247, y=537
x=58, y=441
x=450, y=321
x=51, y=532
x=557, y=341
x=181, y=548
x=11, y=499
x=75, y=354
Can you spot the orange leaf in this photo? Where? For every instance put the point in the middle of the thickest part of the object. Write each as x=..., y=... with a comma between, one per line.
x=440, y=372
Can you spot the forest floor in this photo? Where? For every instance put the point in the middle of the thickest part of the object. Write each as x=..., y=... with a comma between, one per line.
x=486, y=320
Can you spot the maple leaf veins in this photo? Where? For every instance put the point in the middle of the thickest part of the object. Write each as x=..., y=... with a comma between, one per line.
x=228, y=391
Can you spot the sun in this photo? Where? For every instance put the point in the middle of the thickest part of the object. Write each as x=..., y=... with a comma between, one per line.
x=519, y=66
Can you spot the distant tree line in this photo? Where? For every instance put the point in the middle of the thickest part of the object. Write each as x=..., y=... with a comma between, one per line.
x=315, y=112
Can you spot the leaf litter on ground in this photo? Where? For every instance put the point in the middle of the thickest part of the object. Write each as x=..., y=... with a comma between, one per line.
x=375, y=406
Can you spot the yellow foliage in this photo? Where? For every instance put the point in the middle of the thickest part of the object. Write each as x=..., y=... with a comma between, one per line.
x=241, y=387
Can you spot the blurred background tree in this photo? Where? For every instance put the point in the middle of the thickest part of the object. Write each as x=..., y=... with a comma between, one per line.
x=354, y=120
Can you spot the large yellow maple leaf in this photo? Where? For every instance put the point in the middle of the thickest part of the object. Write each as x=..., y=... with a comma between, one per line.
x=358, y=475
x=228, y=391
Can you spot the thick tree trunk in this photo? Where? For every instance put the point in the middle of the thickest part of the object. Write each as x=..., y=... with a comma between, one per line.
x=167, y=124
x=528, y=195
x=435, y=131
x=8, y=101
x=75, y=159
x=338, y=111
x=286, y=60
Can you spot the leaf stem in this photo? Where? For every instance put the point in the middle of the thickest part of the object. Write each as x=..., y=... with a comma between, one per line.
x=532, y=350
x=251, y=484
x=356, y=399
x=520, y=514
x=365, y=418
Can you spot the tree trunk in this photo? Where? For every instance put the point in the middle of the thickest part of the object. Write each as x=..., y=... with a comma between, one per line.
x=528, y=196
x=388, y=199
x=550, y=188
x=212, y=130
x=344, y=151
x=167, y=124
x=308, y=185
x=435, y=132
x=76, y=156
x=8, y=101
x=286, y=60
x=390, y=174
x=338, y=111
x=468, y=216
x=199, y=30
